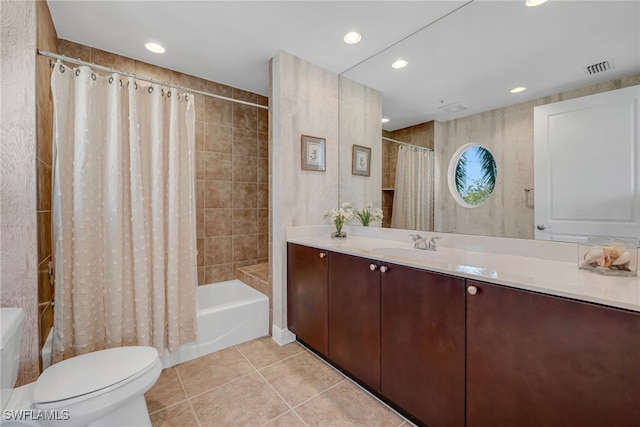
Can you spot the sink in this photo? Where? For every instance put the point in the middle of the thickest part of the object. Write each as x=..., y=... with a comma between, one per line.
x=407, y=253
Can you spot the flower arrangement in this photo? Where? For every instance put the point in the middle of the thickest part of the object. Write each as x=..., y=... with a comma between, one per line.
x=369, y=214
x=339, y=216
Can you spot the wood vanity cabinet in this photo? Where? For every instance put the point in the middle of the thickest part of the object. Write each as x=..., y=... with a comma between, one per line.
x=307, y=296
x=354, y=317
x=423, y=345
x=540, y=360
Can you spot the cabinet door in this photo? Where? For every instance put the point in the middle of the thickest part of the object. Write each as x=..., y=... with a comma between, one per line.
x=539, y=360
x=307, y=295
x=423, y=344
x=354, y=317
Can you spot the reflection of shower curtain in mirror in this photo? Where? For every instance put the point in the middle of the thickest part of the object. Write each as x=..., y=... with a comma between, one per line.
x=124, y=214
x=413, y=196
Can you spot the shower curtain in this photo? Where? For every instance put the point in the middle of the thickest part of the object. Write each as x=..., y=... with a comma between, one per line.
x=413, y=196
x=123, y=214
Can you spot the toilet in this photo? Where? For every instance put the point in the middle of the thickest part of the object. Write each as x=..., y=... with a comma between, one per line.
x=103, y=388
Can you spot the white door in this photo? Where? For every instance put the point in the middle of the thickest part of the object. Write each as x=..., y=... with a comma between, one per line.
x=587, y=167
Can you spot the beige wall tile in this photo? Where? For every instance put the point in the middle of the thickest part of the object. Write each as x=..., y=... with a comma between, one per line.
x=200, y=248
x=192, y=82
x=199, y=134
x=218, y=222
x=218, y=89
x=263, y=145
x=245, y=195
x=245, y=169
x=245, y=247
x=263, y=120
x=218, y=138
x=219, y=273
x=245, y=221
x=218, y=111
x=245, y=142
x=217, y=166
x=243, y=95
x=74, y=50
x=118, y=62
x=217, y=194
x=152, y=71
x=245, y=117
x=216, y=250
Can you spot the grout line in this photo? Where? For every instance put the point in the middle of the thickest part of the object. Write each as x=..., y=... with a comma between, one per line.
x=193, y=411
x=318, y=394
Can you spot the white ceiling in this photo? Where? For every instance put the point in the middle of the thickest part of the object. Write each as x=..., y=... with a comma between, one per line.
x=458, y=51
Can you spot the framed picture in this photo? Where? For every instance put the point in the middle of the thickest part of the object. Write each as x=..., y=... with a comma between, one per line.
x=361, y=161
x=313, y=153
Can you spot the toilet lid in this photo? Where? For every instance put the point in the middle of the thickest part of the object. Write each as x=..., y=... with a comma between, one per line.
x=91, y=372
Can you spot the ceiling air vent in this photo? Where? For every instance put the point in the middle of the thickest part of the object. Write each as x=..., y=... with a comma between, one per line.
x=600, y=67
x=452, y=108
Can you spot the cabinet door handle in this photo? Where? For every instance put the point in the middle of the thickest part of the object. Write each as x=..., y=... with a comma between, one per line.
x=373, y=267
x=384, y=268
x=472, y=290
x=322, y=255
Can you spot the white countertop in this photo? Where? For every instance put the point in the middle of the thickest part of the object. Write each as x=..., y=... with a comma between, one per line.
x=516, y=263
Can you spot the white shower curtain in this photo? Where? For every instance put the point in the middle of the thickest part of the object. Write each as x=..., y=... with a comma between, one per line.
x=123, y=214
x=413, y=195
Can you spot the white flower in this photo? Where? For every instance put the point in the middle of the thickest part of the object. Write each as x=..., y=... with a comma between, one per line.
x=343, y=213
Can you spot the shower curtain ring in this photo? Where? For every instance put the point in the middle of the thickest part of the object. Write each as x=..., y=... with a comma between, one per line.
x=77, y=72
x=93, y=76
x=110, y=79
x=150, y=89
x=169, y=94
x=62, y=68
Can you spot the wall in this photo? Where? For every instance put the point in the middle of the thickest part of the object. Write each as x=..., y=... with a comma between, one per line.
x=18, y=151
x=304, y=100
x=508, y=133
x=359, y=116
x=231, y=167
x=47, y=40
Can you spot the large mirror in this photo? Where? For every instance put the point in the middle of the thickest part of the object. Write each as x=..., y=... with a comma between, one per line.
x=456, y=90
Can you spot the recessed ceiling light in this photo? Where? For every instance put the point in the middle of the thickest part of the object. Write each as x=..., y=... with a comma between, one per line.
x=385, y=120
x=532, y=3
x=352, y=37
x=154, y=47
x=518, y=89
x=400, y=63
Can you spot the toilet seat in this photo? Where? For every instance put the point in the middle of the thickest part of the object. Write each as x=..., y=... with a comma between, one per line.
x=90, y=375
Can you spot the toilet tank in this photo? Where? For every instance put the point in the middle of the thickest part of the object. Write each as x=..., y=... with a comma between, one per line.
x=10, y=334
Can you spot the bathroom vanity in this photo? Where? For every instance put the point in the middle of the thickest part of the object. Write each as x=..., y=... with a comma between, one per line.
x=465, y=336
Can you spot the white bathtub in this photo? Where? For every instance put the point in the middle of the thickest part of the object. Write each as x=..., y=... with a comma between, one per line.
x=228, y=313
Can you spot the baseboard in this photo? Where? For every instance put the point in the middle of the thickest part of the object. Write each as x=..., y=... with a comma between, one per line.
x=282, y=336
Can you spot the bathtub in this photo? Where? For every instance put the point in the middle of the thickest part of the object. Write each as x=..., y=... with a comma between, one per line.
x=228, y=313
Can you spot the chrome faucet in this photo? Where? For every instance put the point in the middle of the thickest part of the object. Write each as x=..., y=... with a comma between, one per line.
x=420, y=242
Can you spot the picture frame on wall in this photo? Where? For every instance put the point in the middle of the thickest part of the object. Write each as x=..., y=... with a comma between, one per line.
x=313, y=153
x=361, y=164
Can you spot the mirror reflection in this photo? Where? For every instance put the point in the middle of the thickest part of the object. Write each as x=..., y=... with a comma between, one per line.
x=456, y=86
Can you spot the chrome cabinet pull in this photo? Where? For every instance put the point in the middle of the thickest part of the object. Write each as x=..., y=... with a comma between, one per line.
x=472, y=290
x=373, y=267
x=322, y=255
x=384, y=268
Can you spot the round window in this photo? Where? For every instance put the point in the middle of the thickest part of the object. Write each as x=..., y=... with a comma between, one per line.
x=472, y=175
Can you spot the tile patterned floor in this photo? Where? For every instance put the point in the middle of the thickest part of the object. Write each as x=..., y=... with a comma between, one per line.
x=259, y=383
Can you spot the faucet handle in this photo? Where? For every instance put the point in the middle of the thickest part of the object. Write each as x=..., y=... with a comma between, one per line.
x=416, y=237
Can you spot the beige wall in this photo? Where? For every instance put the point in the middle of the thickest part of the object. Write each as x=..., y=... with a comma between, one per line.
x=18, y=198
x=508, y=133
x=360, y=111
x=304, y=100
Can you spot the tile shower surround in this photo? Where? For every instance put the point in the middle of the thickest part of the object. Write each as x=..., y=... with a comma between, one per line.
x=231, y=161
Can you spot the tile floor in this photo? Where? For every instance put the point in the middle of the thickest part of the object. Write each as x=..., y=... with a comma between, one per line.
x=259, y=383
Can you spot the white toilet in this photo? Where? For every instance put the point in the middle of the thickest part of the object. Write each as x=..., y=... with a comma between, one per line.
x=103, y=388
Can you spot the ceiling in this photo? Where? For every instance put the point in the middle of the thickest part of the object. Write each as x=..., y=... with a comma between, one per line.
x=468, y=53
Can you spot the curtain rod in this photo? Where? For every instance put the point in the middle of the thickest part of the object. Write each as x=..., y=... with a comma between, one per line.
x=406, y=143
x=146, y=79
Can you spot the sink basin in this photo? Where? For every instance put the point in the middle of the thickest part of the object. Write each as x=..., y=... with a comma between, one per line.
x=406, y=253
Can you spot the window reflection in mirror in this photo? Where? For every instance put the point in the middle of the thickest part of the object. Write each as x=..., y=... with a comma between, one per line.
x=472, y=175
